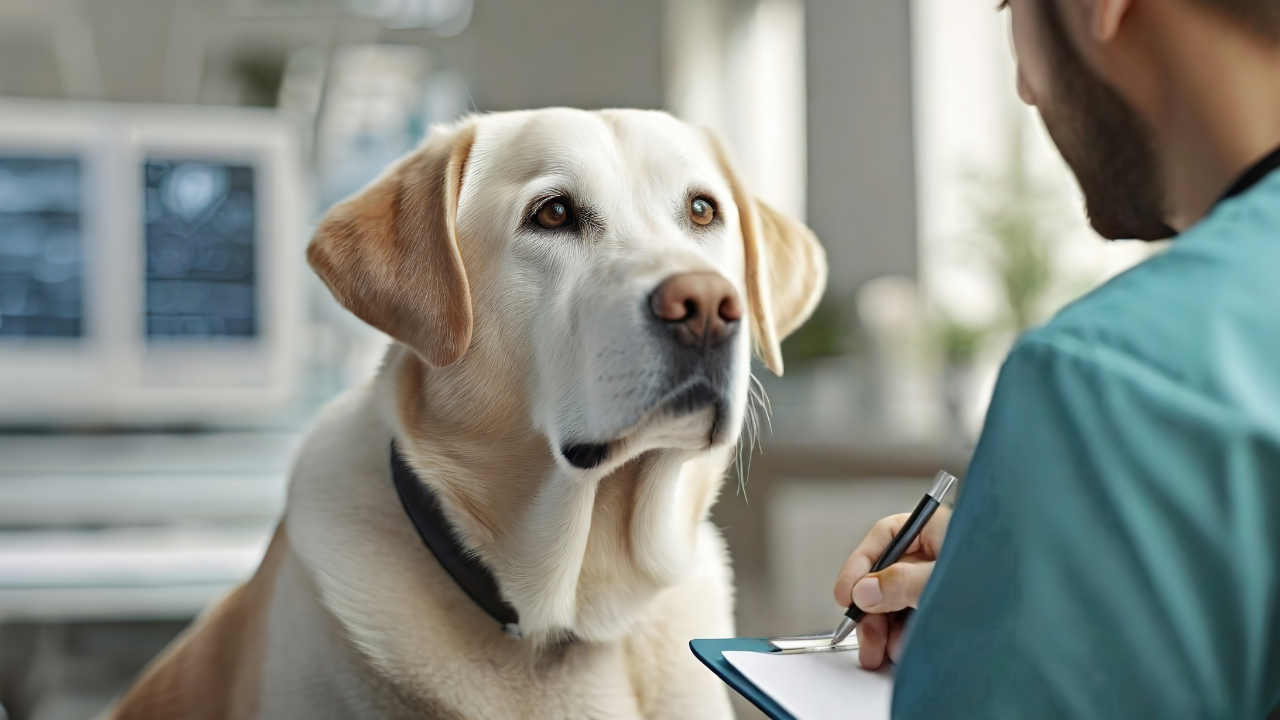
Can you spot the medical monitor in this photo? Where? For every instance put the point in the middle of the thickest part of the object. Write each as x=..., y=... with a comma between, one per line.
x=149, y=265
x=41, y=246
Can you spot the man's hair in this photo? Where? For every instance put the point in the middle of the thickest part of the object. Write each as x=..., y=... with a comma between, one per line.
x=1261, y=16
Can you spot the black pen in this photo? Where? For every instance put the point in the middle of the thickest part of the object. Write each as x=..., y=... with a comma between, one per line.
x=899, y=544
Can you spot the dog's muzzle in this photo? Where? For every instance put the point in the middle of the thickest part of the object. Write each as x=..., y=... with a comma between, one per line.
x=694, y=317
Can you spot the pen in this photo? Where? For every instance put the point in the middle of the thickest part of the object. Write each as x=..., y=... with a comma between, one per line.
x=899, y=544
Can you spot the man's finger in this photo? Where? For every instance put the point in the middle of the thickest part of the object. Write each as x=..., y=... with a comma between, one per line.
x=865, y=555
x=873, y=638
x=896, y=587
x=929, y=544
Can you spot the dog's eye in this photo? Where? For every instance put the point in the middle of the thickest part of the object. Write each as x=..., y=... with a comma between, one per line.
x=555, y=213
x=701, y=211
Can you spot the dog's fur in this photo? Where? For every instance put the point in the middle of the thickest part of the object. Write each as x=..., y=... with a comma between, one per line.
x=514, y=343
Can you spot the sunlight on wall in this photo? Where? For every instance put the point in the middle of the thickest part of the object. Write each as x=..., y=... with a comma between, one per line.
x=740, y=71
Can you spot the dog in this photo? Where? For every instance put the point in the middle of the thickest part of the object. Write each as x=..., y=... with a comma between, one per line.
x=510, y=520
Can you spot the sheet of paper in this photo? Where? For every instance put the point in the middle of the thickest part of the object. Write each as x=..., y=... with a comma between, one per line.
x=818, y=686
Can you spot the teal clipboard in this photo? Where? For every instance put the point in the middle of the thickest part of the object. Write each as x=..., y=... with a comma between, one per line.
x=711, y=653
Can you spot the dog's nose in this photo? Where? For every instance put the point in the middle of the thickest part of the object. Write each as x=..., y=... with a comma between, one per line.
x=700, y=308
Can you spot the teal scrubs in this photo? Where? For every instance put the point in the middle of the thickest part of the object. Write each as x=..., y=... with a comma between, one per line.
x=1116, y=549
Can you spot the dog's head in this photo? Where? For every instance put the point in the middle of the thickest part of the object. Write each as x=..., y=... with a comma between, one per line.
x=594, y=281
x=617, y=252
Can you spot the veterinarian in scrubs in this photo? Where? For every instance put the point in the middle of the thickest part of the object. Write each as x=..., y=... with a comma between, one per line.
x=1116, y=549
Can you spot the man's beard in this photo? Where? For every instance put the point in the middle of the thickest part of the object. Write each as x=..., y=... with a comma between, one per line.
x=1104, y=141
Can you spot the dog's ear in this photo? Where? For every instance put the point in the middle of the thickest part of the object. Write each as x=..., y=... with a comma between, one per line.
x=390, y=254
x=786, y=268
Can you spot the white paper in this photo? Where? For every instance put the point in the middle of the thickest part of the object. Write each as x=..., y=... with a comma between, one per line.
x=818, y=686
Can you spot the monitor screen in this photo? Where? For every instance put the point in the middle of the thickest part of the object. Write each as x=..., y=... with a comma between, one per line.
x=200, y=234
x=41, y=274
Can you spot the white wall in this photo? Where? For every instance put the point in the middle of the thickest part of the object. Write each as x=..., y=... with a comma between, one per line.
x=862, y=199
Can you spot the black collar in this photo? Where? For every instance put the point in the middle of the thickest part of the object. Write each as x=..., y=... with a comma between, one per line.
x=462, y=563
x=1253, y=175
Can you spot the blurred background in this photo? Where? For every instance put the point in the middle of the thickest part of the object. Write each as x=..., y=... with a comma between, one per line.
x=162, y=345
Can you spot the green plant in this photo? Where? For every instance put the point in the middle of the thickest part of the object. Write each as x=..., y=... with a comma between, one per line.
x=1017, y=224
x=958, y=342
x=825, y=334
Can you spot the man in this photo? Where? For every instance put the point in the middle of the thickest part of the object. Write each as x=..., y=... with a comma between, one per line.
x=1116, y=551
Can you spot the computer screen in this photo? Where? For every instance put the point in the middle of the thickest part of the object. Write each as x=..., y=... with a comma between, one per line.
x=41, y=268
x=200, y=248
x=150, y=265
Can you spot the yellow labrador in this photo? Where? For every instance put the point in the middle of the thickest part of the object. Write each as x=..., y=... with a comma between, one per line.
x=510, y=519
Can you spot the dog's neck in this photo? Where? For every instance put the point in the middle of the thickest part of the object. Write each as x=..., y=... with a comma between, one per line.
x=575, y=554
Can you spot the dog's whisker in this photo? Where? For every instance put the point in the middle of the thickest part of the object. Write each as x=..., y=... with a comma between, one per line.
x=737, y=457
x=761, y=396
x=742, y=474
x=753, y=417
x=757, y=391
x=749, y=442
x=750, y=437
x=737, y=461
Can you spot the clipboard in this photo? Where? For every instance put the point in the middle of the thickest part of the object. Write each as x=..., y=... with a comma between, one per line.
x=711, y=652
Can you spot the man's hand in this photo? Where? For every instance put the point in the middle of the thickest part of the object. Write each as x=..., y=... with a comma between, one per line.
x=887, y=593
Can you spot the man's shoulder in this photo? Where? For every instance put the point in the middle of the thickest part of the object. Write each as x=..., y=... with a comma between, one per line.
x=1196, y=313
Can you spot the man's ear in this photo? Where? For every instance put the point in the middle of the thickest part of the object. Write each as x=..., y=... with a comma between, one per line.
x=786, y=268
x=1105, y=17
x=390, y=254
